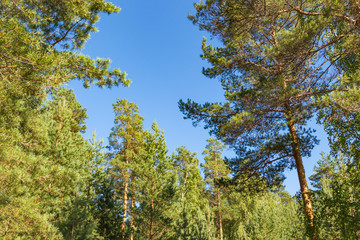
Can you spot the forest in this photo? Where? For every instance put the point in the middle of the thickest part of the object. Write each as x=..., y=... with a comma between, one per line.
x=280, y=64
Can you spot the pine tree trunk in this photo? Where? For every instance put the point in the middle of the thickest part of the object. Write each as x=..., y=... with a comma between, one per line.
x=132, y=227
x=125, y=210
x=125, y=194
x=301, y=174
x=299, y=164
x=132, y=206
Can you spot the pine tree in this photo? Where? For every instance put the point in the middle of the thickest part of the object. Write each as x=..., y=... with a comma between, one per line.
x=271, y=80
x=126, y=141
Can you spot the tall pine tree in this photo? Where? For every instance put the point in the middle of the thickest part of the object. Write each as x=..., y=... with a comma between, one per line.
x=271, y=80
x=126, y=141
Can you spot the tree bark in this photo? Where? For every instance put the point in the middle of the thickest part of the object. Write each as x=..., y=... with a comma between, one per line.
x=123, y=225
x=125, y=193
x=132, y=227
x=299, y=164
x=301, y=173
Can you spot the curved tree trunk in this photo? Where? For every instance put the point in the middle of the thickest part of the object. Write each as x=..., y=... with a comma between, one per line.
x=301, y=173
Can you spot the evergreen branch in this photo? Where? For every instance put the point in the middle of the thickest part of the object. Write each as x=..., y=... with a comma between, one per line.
x=343, y=17
x=66, y=33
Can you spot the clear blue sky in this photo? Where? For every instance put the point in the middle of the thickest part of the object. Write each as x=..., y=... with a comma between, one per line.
x=159, y=48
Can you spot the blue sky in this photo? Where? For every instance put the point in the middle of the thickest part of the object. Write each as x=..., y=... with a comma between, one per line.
x=159, y=48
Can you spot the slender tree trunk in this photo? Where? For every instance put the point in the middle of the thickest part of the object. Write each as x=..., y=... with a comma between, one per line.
x=125, y=194
x=132, y=207
x=123, y=225
x=132, y=226
x=301, y=172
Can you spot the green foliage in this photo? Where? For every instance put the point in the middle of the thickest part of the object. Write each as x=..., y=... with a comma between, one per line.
x=127, y=133
x=126, y=142
x=215, y=169
x=270, y=216
x=214, y=166
x=343, y=129
x=108, y=211
x=268, y=84
x=155, y=186
x=63, y=120
x=337, y=175
x=54, y=181
x=40, y=39
x=192, y=217
x=21, y=212
x=44, y=159
x=336, y=198
x=69, y=189
x=278, y=63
